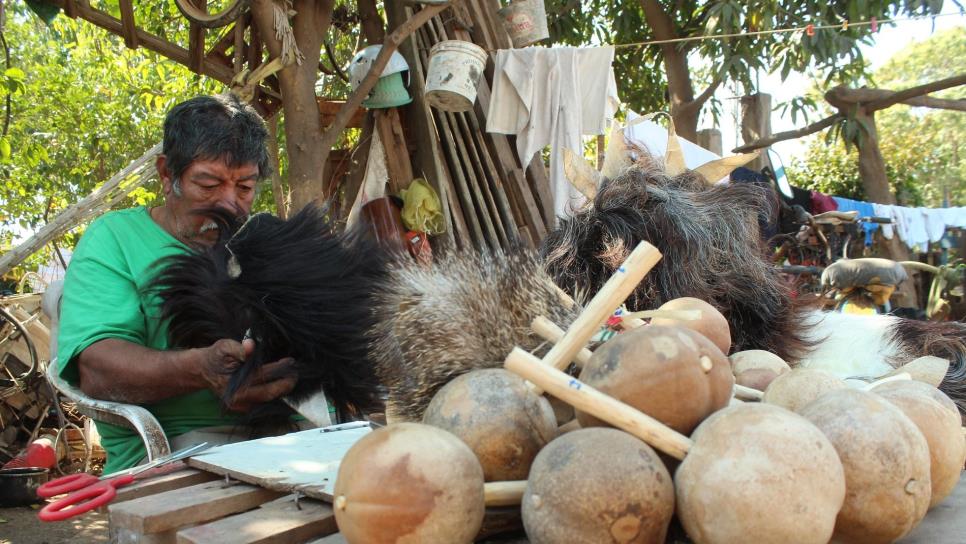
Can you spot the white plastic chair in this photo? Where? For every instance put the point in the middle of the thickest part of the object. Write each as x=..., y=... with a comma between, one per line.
x=116, y=413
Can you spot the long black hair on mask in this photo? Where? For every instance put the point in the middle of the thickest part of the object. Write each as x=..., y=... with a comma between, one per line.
x=297, y=287
x=712, y=250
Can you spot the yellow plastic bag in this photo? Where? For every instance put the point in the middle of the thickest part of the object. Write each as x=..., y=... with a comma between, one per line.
x=422, y=211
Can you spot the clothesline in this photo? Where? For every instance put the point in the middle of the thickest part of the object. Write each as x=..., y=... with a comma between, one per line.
x=809, y=28
x=915, y=226
x=873, y=22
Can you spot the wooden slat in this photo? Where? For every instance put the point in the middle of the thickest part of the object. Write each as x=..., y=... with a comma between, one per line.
x=478, y=209
x=435, y=167
x=492, y=35
x=178, y=508
x=196, y=42
x=70, y=8
x=428, y=159
x=507, y=160
x=398, y=165
x=453, y=159
x=330, y=108
x=129, y=27
x=483, y=174
x=211, y=67
x=336, y=538
x=160, y=484
x=280, y=521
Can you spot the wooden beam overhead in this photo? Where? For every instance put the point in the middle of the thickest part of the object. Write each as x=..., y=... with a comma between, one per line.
x=196, y=41
x=330, y=108
x=129, y=26
x=70, y=9
x=213, y=68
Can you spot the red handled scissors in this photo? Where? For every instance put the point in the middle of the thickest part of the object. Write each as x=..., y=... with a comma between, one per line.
x=87, y=492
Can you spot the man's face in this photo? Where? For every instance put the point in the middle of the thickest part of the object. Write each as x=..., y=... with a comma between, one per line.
x=205, y=184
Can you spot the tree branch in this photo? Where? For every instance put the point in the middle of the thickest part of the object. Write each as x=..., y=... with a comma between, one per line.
x=789, y=135
x=865, y=95
x=390, y=44
x=919, y=90
x=698, y=102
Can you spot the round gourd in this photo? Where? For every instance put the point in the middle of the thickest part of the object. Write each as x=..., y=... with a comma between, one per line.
x=759, y=473
x=711, y=324
x=886, y=461
x=757, y=368
x=921, y=388
x=409, y=483
x=798, y=387
x=498, y=417
x=942, y=429
x=598, y=485
x=672, y=374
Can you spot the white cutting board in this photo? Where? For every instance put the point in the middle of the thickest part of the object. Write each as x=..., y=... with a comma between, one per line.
x=306, y=462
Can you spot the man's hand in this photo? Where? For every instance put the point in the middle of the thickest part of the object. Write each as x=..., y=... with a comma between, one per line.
x=269, y=382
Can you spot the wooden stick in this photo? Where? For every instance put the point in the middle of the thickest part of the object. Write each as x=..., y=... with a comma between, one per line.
x=459, y=231
x=482, y=175
x=610, y=296
x=587, y=399
x=747, y=393
x=572, y=425
x=549, y=331
x=508, y=493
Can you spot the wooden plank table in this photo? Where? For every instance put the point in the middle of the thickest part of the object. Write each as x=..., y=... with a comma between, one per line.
x=203, y=507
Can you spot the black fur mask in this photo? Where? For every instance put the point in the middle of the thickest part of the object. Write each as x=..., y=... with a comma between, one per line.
x=296, y=287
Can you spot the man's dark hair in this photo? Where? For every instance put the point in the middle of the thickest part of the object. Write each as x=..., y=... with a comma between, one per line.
x=215, y=127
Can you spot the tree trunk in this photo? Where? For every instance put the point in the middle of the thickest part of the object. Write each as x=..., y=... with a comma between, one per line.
x=875, y=181
x=303, y=124
x=372, y=26
x=680, y=88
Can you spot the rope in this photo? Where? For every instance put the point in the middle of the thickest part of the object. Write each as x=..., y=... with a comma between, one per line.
x=807, y=28
x=284, y=33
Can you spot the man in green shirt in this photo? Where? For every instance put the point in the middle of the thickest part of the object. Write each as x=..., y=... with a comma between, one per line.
x=111, y=341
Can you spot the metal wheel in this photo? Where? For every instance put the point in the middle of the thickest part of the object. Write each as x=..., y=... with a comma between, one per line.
x=12, y=379
x=200, y=15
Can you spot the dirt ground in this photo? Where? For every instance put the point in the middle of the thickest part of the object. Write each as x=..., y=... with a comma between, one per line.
x=21, y=526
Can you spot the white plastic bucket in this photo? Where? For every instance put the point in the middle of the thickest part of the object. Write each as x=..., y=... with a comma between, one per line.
x=455, y=68
x=525, y=21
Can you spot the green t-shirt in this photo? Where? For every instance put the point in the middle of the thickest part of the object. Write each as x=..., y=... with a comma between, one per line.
x=103, y=299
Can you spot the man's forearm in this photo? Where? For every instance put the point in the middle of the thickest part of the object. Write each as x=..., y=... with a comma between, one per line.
x=121, y=371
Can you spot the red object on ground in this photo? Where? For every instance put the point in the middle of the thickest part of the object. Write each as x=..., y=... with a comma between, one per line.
x=40, y=453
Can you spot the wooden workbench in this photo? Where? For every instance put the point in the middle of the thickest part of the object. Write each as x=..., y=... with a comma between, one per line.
x=194, y=506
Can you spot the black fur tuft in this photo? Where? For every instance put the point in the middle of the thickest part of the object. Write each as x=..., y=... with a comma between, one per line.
x=303, y=291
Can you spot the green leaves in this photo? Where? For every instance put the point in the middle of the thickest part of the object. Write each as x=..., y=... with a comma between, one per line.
x=5, y=149
x=13, y=80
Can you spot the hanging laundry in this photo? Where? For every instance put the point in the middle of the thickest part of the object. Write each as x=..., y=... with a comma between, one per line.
x=552, y=96
x=822, y=203
x=935, y=223
x=885, y=211
x=911, y=226
x=865, y=209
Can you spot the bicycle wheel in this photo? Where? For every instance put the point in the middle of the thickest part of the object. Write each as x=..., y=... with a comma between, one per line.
x=14, y=376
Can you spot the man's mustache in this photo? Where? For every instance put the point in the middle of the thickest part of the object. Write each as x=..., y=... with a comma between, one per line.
x=225, y=219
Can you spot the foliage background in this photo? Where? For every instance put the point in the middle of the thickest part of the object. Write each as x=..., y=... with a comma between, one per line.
x=924, y=149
